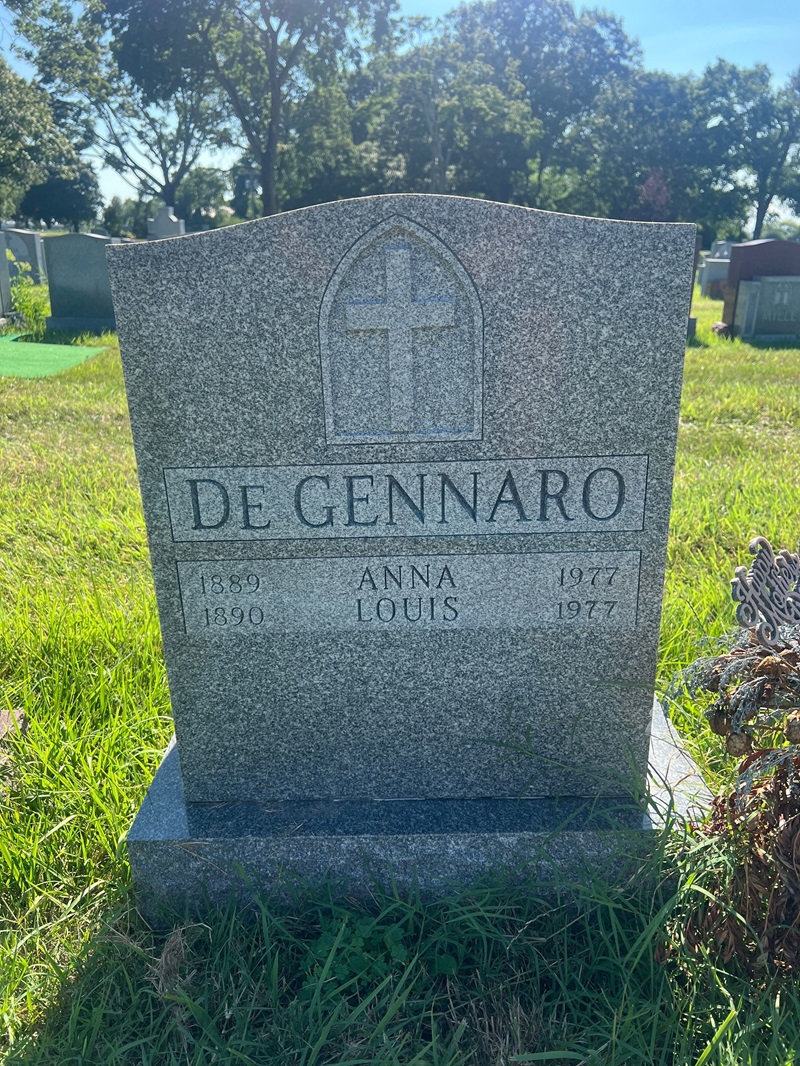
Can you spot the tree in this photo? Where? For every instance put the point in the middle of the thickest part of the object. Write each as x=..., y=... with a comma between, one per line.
x=646, y=153
x=320, y=161
x=558, y=63
x=152, y=141
x=155, y=144
x=128, y=218
x=436, y=121
x=70, y=195
x=258, y=52
x=757, y=130
x=201, y=196
x=28, y=137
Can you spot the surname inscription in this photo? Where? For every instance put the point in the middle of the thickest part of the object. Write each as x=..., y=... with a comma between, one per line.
x=519, y=496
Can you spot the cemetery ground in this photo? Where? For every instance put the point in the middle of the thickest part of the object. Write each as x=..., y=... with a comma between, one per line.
x=491, y=975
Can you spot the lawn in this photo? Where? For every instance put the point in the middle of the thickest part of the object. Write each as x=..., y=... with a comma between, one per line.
x=492, y=975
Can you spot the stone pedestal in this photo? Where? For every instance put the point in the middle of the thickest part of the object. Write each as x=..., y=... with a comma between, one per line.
x=186, y=856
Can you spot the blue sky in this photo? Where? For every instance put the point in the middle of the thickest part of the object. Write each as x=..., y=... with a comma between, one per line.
x=686, y=35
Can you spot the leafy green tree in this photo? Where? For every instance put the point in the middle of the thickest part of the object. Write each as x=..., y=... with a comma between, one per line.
x=28, y=137
x=152, y=141
x=558, y=62
x=244, y=176
x=321, y=161
x=69, y=195
x=201, y=195
x=647, y=153
x=128, y=218
x=756, y=129
x=257, y=51
x=439, y=122
x=782, y=229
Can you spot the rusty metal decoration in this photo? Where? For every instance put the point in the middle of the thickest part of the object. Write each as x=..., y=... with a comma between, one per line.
x=768, y=593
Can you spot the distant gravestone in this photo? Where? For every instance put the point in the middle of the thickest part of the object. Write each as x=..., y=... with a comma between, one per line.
x=721, y=249
x=5, y=280
x=763, y=258
x=165, y=224
x=80, y=292
x=406, y=465
x=713, y=273
x=768, y=308
x=26, y=247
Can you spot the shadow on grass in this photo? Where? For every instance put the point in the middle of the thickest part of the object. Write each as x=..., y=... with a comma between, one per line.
x=561, y=972
x=66, y=337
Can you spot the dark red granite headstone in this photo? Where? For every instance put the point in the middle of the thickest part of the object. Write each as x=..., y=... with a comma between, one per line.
x=767, y=258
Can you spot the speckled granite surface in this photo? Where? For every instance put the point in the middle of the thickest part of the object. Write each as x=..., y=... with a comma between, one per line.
x=187, y=856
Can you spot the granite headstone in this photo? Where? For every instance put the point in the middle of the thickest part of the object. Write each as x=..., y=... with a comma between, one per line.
x=762, y=258
x=5, y=280
x=165, y=224
x=26, y=247
x=768, y=308
x=721, y=249
x=713, y=273
x=406, y=465
x=80, y=292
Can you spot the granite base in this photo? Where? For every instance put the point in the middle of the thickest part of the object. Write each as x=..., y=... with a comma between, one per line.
x=81, y=325
x=187, y=857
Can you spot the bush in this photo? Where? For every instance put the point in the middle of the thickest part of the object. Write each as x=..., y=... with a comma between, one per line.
x=29, y=300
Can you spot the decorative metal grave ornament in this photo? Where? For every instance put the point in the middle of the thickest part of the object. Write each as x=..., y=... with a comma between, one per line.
x=768, y=593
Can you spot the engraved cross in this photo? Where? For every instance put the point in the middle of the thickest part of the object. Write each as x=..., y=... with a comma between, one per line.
x=399, y=315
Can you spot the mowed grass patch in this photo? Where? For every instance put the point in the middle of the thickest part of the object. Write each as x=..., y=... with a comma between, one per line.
x=735, y=478
x=493, y=975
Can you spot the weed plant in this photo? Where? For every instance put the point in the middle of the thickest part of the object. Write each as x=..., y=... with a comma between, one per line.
x=28, y=299
x=497, y=974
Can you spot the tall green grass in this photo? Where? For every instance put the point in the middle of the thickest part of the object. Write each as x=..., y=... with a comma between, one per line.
x=597, y=975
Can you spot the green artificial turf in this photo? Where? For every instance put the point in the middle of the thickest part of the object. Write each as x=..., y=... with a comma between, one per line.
x=23, y=359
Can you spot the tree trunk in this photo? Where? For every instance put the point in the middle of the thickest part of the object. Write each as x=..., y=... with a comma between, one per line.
x=269, y=199
x=761, y=213
x=269, y=160
x=167, y=193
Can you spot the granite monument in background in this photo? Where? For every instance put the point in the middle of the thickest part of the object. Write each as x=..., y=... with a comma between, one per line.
x=26, y=247
x=768, y=308
x=77, y=273
x=5, y=279
x=165, y=224
x=767, y=258
x=406, y=465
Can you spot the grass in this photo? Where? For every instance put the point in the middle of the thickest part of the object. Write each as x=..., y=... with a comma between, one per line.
x=493, y=975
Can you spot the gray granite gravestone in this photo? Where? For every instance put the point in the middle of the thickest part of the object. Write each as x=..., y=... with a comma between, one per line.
x=768, y=308
x=26, y=247
x=721, y=249
x=80, y=292
x=165, y=224
x=406, y=465
x=712, y=270
x=5, y=280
